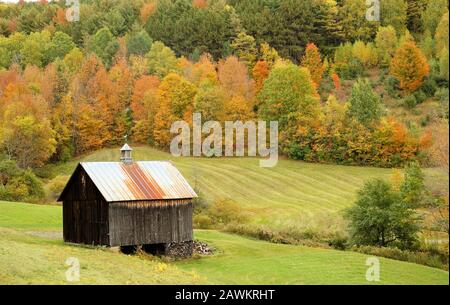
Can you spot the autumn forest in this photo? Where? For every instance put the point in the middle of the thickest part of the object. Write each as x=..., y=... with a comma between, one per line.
x=344, y=90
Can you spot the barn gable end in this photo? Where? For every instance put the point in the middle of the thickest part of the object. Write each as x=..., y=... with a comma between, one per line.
x=80, y=187
x=85, y=211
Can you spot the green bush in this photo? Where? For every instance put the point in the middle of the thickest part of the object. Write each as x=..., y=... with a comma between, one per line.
x=437, y=250
x=226, y=211
x=425, y=121
x=324, y=230
x=385, y=217
x=434, y=69
x=391, y=85
x=350, y=70
x=339, y=242
x=218, y=214
x=200, y=203
x=442, y=95
x=56, y=186
x=364, y=103
x=429, y=87
x=17, y=184
x=420, y=96
x=326, y=87
x=46, y=172
x=418, y=257
x=383, y=75
x=410, y=101
x=202, y=221
x=289, y=235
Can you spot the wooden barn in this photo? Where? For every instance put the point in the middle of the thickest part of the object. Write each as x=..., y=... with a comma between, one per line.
x=127, y=204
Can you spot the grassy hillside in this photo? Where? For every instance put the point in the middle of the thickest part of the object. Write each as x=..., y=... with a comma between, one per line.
x=290, y=191
x=32, y=251
x=245, y=261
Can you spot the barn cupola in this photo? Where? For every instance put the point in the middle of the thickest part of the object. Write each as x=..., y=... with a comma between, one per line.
x=125, y=154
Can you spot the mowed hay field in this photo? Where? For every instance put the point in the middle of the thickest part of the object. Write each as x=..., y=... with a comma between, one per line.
x=292, y=191
x=32, y=252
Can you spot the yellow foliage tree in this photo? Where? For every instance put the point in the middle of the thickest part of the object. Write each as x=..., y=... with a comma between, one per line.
x=238, y=109
x=175, y=101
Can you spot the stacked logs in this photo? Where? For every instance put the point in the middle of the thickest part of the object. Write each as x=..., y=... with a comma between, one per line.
x=202, y=248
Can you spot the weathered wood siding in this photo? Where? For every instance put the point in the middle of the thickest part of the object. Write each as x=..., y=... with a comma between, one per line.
x=86, y=222
x=85, y=213
x=89, y=219
x=150, y=222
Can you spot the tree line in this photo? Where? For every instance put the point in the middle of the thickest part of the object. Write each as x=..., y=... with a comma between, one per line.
x=67, y=88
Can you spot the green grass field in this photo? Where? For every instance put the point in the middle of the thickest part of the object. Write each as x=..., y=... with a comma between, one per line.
x=292, y=194
x=32, y=252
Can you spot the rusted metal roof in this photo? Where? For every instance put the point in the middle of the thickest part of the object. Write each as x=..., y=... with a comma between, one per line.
x=144, y=180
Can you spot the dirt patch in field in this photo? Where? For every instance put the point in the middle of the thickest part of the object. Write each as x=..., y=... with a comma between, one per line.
x=46, y=234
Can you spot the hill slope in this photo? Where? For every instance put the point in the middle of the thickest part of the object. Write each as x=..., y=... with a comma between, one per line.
x=290, y=191
x=32, y=251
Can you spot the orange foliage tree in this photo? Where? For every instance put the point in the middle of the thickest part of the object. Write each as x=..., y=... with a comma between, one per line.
x=409, y=66
x=122, y=85
x=94, y=99
x=197, y=72
x=394, y=144
x=199, y=3
x=147, y=10
x=233, y=77
x=260, y=73
x=60, y=17
x=142, y=86
x=336, y=81
x=313, y=62
x=144, y=105
x=26, y=134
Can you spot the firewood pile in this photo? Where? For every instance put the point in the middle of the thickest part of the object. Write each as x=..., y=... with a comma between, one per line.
x=202, y=248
